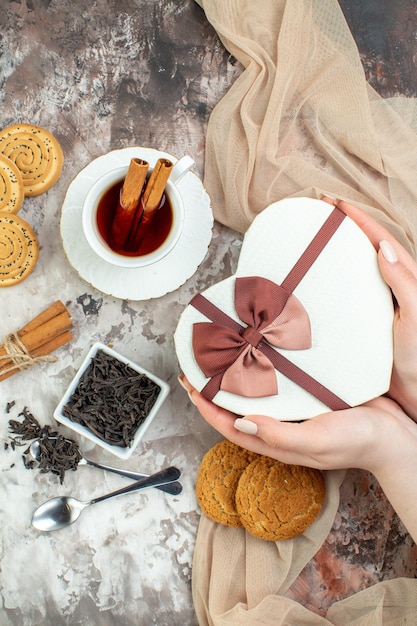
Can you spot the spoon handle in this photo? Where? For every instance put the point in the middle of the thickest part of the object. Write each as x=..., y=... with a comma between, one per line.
x=173, y=488
x=167, y=475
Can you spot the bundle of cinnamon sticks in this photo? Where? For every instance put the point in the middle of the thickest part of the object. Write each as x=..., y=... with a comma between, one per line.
x=44, y=334
x=140, y=198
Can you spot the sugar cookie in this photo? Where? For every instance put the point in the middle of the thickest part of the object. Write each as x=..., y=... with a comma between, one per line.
x=217, y=480
x=11, y=186
x=19, y=249
x=276, y=501
x=36, y=153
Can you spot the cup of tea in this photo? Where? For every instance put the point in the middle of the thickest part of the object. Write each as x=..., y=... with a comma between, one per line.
x=102, y=203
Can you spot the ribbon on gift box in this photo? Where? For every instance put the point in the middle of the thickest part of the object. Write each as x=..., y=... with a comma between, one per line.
x=241, y=359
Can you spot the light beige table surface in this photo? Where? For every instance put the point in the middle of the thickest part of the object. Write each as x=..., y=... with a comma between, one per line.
x=102, y=76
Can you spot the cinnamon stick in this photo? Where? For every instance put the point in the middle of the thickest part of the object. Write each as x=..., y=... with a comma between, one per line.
x=47, y=331
x=150, y=201
x=53, y=344
x=130, y=194
x=43, y=350
x=43, y=334
x=46, y=315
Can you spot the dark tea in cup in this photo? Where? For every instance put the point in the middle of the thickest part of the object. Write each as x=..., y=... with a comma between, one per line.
x=100, y=206
x=156, y=234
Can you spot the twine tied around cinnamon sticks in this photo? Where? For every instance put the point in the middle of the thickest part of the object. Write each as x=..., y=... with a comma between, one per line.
x=47, y=332
x=17, y=352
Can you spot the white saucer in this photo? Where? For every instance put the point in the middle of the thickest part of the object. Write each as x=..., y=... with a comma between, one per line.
x=146, y=282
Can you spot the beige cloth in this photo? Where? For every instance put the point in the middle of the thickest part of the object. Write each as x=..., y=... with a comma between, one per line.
x=238, y=580
x=302, y=120
x=299, y=121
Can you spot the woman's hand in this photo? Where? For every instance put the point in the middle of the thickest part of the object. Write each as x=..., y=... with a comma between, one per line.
x=377, y=436
x=399, y=270
x=346, y=438
x=352, y=438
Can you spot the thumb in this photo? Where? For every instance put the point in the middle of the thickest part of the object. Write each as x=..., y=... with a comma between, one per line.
x=275, y=433
x=290, y=442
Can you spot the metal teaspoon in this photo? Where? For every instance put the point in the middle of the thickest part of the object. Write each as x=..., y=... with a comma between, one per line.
x=62, y=511
x=173, y=488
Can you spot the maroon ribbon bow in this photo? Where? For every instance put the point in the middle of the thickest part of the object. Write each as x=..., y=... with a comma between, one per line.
x=272, y=314
x=241, y=359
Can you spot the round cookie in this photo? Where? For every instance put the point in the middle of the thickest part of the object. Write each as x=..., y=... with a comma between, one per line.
x=36, y=153
x=276, y=501
x=217, y=479
x=19, y=249
x=11, y=186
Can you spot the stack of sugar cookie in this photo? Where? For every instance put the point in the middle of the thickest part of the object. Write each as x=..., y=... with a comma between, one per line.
x=271, y=500
x=31, y=162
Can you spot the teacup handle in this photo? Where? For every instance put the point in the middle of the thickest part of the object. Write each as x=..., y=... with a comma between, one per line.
x=181, y=167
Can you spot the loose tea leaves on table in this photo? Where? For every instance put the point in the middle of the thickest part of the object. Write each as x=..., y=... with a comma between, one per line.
x=29, y=428
x=10, y=405
x=57, y=453
x=112, y=400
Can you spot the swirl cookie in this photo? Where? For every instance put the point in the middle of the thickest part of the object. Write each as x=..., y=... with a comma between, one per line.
x=217, y=479
x=19, y=249
x=276, y=501
x=11, y=186
x=36, y=153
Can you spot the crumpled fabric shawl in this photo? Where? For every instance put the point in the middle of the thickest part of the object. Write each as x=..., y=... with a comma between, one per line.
x=300, y=120
x=239, y=580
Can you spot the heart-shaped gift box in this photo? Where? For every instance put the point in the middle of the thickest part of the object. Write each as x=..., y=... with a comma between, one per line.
x=303, y=326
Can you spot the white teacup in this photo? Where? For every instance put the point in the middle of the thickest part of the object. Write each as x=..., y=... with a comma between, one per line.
x=91, y=229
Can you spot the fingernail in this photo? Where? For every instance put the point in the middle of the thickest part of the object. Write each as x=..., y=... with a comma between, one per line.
x=246, y=426
x=190, y=395
x=388, y=251
x=181, y=380
x=325, y=196
x=185, y=385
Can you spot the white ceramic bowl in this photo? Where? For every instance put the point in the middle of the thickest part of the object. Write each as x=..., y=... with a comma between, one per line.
x=98, y=243
x=119, y=451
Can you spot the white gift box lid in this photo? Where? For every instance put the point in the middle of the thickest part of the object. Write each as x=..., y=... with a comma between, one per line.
x=349, y=305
